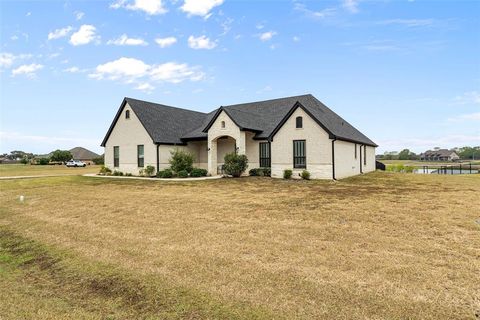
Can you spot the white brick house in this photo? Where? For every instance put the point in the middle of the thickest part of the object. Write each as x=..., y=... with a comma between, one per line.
x=295, y=133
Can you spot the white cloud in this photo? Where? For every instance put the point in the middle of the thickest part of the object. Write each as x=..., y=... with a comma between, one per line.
x=422, y=144
x=408, y=22
x=126, y=68
x=84, y=35
x=150, y=7
x=145, y=87
x=131, y=70
x=79, y=15
x=59, y=33
x=8, y=59
x=124, y=40
x=74, y=70
x=266, y=35
x=466, y=117
x=472, y=97
x=350, y=5
x=296, y=39
x=175, y=73
x=27, y=69
x=14, y=37
x=166, y=42
x=200, y=7
x=201, y=42
x=28, y=14
x=321, y=14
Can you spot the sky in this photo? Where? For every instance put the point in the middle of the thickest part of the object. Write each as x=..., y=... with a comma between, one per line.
x=405, y=72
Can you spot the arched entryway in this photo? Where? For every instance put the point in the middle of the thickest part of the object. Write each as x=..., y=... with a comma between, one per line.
x=219, y=147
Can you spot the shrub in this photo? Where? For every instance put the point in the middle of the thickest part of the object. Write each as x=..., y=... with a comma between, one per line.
x=182, y=174
x=99, y=160
x=267, y=172
x=128, y=174
x=253, y=172
x=149, y=170
x=287, y=173
x=181, y=160
x=24, y=160
x=141, y=172
x=305, y=175
x=167, y=173
x=43, y=161
x=235, y=164
x=198, y=172
x=409, y=169
x=105, y=170
x=117, y=173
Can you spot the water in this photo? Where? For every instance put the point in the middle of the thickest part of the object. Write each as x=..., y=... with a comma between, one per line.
x=449, y=171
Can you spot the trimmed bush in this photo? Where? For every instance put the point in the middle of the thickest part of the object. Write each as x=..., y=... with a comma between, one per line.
x=182, y=174
x=253, y=172
x=105, y=170
x=149, y=170
x=260, y=172
x=181, y=160
x=305, y=175
x=267, y=172
x=167, y=173
x=287, y=173
x=198, y=172
x=43, y=161
x=235, y=164
x=129, y=174
x=117, y=173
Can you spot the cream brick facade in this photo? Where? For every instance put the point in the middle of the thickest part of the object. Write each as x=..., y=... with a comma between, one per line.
x=228, y=137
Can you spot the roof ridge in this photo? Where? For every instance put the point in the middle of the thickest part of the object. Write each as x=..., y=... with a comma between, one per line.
x=164, y=105
x=268, y=100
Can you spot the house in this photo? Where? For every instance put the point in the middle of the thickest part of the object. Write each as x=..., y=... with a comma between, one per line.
x=439, y=155
x=298, y=133
x=84, y=155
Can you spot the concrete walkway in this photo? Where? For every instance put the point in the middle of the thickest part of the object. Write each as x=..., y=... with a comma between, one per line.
x=153, y=179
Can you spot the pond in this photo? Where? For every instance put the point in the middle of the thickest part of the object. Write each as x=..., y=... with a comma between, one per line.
x=445, y=171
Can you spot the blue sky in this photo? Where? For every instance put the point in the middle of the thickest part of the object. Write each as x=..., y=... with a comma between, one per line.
x=406, y=73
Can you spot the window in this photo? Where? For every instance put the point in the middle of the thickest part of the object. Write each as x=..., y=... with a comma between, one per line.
x=299, y=122
x=264, y=154
x=365, y=155
x=222, y=124
x=140, y=157
x=299, y=154
x=116, y=156
x=127, y=114
x=355, y=151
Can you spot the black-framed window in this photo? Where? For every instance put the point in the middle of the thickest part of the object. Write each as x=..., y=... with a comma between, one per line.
x=264, y=153
x=116, y=156
x=140, y=156
x=365, y=155
x=127, y=114
x=355, y=151
x=299, y=154
x=299, y=122
x=222, y=124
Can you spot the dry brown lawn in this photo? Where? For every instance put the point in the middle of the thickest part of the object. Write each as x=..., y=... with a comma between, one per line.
x=9, y=170
x=378, y=246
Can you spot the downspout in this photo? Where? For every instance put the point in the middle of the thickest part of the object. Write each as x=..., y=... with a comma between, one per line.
x=158, y=157
x=361, y=169
x=333, y=158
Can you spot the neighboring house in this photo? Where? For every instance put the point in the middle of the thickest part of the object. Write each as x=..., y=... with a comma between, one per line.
x=298, y=133
x=84, y=155
x=439, y=155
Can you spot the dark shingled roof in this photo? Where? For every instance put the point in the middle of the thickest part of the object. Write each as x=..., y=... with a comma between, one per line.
x=167, y=124
x=79, y=153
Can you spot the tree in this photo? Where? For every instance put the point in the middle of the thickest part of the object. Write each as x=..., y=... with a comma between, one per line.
x=469, y=153
x=61, y=155
x=406, y=154
x=235, y=164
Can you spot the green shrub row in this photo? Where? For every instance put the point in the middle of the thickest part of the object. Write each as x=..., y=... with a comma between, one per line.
x=400, y=168
x=260, y=172
x=287, y=174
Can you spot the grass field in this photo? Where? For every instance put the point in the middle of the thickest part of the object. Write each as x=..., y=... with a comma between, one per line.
x=8, y=170
x=377, y=246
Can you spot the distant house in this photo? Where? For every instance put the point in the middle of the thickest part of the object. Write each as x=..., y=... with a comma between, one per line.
x=439, y=155
x=297, y=133
x=83, y=154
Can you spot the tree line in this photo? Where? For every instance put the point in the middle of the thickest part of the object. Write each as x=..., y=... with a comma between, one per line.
x=465, y=153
